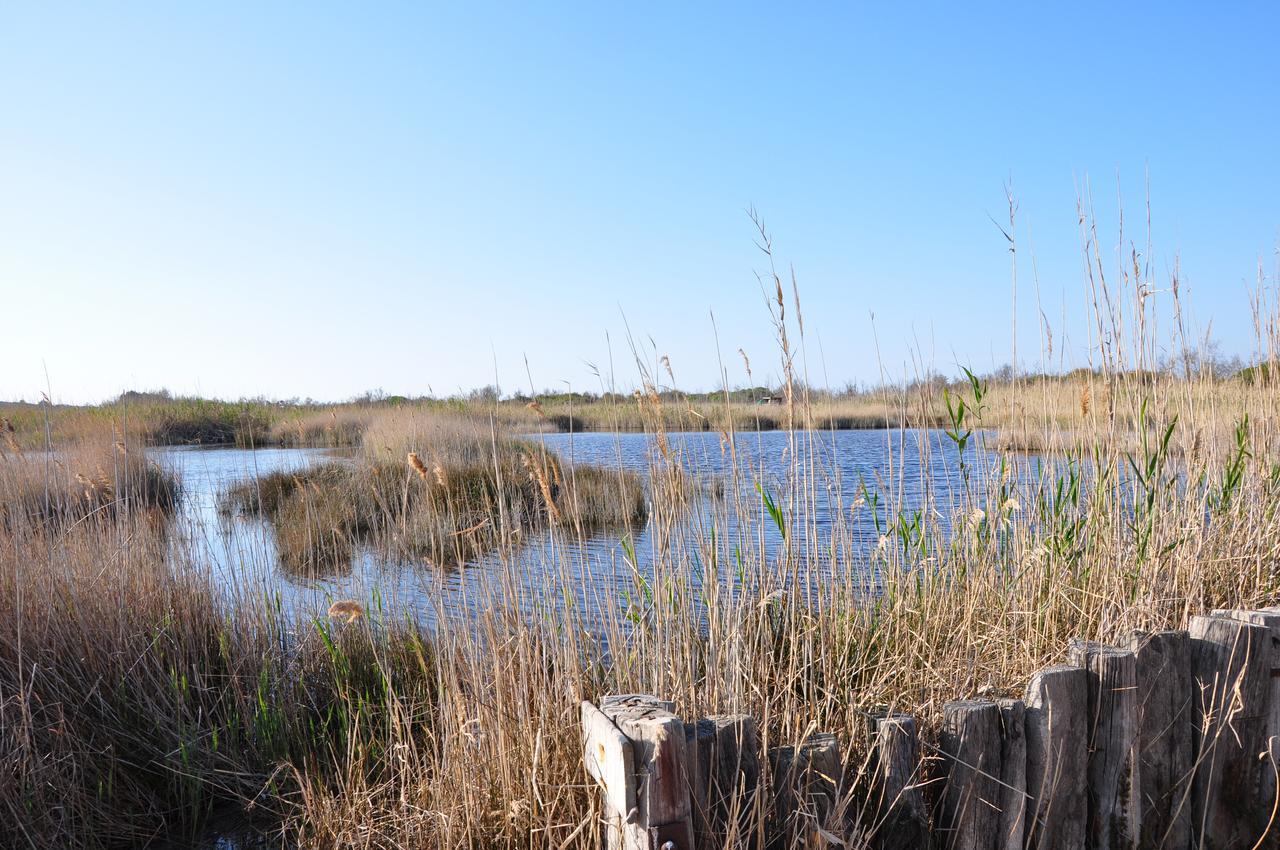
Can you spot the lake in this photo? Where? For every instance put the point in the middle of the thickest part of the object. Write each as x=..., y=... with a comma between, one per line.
x=913, y=469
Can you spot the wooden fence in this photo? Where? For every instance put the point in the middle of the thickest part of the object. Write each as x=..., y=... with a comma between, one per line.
x=1169, y=742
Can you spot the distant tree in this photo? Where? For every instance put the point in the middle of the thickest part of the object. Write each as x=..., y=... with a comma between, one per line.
x=1206, y=360
x=1261, y=374
x=144, y=397
x=1002, y=374
x=486, y=395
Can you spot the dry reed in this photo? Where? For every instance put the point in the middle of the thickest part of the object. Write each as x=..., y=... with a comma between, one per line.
x=135, y=700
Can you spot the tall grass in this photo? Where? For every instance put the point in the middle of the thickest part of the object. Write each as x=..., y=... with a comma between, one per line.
x=911, y=403
x=439, y=489
x=89, y=482
x=136, y=699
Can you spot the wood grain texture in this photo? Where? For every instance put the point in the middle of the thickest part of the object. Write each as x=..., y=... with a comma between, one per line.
x=1269, y=618
x=1231, y=668
x=1115, y=812
x=1013, y=774
x=607, y=755
x=657, y=739
x=1057, y=757
x=898, y=815
x=970, y=740
x=806, y=780
x=1165, y=731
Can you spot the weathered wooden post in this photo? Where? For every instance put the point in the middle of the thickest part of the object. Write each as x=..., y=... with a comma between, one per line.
x=1165, y=728
x=1115, y=816
x=1013, y=774
x=971, y=742
x=724, y=772
x=699, y=740
x=806, y=781
x=609, y=760
x=1269, y=618
x=634, y=746
x=901, y=818
x=1231, y=666
x=1056, y=725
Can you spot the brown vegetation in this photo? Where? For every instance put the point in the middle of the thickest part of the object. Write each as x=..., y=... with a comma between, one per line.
x=480, y=489
x=136, y=699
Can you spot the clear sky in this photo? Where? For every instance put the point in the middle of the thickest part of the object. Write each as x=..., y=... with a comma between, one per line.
x=322, y=199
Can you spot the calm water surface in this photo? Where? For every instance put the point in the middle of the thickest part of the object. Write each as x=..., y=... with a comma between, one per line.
x=556, y=569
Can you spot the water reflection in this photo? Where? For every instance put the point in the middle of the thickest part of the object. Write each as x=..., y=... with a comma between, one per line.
x=817, y=476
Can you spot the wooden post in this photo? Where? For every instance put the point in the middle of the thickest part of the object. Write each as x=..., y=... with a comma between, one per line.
x=1013, y=774
x=635, y=748
x=617, y=702
x=699, y=740
x=1056, y=726
x=1269, y=618
x=806, y=780
x=724, y=771
x=901, y=819
x=609, y=760
x=735, y=774
x=1165, y=729
x=1231, y=666
x=971, y=742
x=1113, y=792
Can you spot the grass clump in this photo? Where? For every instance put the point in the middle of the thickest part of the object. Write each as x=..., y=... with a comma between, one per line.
x=137, y=705
x=136, y=699
x=460, y=493
x=90, y=482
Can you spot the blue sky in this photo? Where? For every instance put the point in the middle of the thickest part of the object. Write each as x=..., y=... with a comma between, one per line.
x=322, y=199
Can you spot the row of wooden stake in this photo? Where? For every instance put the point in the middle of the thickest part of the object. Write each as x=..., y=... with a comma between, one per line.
x=1170, y=742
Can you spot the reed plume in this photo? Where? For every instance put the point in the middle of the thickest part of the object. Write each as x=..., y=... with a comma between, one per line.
x=346, y=609
x=418, y=466
x=539, y=476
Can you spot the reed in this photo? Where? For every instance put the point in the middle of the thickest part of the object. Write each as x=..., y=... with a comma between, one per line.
x=136, y=700
x=90, y=483
x=478, y=491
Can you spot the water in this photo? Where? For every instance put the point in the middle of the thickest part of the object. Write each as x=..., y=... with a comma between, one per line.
x=913, y=469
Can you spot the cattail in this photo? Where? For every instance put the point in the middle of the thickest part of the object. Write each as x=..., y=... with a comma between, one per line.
x=347, y=609
x=418, y=466
x=540, y=478
x=9, y=431
x=89, y=488
x=1085, y=398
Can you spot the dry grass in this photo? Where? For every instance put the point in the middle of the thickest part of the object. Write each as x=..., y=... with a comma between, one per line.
x=135, y=701
x=90, y=482
x=478, y=490
x=148, y=702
